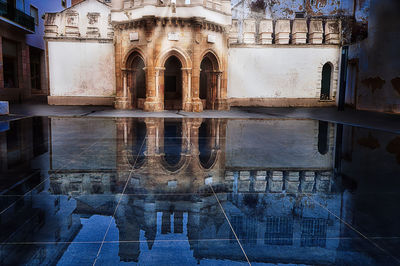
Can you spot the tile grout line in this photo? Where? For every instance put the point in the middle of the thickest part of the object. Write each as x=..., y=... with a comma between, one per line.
x=355, y=230
x=167, y=240
x=230, y=225
x=58, y=170
x=119, y=201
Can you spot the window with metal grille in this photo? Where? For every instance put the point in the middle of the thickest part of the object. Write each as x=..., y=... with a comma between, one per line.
x=245, y=229
x=313, y=232
x=278, y=231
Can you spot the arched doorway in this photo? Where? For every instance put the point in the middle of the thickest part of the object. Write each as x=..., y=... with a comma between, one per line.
x=209, y=79
x=136, y=80
x=173, y=84
x=326, y=82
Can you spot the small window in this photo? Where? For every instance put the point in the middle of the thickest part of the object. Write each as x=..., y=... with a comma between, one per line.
x=300, y=15
x=35, y=14
x=20, y=5
x=64, y=3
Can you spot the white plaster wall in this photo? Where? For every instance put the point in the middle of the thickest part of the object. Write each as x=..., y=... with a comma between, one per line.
x=279, y=72
x=81, y=69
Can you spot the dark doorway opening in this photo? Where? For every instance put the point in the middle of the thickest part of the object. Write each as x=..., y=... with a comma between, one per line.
x=137, y=80
x=326, y=82
x=323, y=137
x=173, y=84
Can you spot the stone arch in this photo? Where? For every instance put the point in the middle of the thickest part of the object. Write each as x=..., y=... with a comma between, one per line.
x=186, y=66
x=214, y=58
x=210, y=79
x=181, y=55
x=135, y=78
x=137, y=50
x=327, y=74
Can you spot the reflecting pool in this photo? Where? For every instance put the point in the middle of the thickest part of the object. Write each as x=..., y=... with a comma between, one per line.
x=154, y=191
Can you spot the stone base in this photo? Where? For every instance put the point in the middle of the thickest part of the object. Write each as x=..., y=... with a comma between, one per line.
x=80, y=100
x=222, y=104
x=197, y=106
x=280, y=102
x=4, y=110
x=121, y=103
x=153, y=106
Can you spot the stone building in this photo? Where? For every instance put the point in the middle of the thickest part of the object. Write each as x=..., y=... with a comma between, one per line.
x=192, y=55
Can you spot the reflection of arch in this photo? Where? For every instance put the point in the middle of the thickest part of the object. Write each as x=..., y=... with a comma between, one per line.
x=326, y=81
x=136, y=78
x=208, y=148
x=323, y=138
x=209, y=79
x=172, y=144
x=137, y=143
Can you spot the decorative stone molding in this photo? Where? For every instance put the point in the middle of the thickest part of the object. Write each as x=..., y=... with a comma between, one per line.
x=72, y=24
x=299, y=31
x=234, y=31
x=249, y=31
x=316, y=31
x=266, y=31
x=332, y=30
x=282, y=31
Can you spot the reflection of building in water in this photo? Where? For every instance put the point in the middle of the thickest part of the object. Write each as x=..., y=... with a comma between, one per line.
x=25, y=219
x=171, y=164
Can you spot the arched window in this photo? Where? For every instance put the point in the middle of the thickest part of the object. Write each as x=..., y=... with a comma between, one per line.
x=326, y=82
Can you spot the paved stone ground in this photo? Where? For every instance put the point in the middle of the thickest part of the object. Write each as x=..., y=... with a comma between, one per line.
x=382, y=121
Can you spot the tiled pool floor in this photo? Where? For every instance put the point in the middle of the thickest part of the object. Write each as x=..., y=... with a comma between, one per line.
x=171, y=191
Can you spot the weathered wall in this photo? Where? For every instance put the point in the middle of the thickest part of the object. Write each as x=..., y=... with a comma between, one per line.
x=81, y=69
x=280, y=72
x=376, y=86
x=281, y=144
x=287, y=9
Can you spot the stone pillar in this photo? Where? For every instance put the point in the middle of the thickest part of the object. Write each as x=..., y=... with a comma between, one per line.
x=316, y=31
x=332, y=31
x=266, y=30
x=234, y=31
x=299, y=31
x=154, y=90
x=187, y=89
x=121, y=100
x=282, y=31
x=249, y=31
x=221, y=101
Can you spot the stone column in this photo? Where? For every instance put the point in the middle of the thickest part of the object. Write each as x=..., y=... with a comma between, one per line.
x=154, y=90
x=121, y=100
x=187, y=89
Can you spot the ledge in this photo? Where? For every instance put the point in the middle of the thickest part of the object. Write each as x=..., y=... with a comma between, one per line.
x=280, y=102
x=80, y=100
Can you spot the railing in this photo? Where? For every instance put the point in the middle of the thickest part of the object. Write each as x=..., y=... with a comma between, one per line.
x=16, y=16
